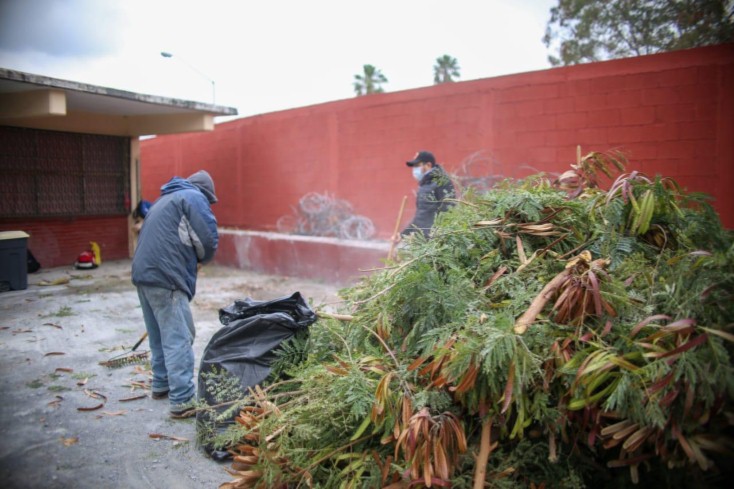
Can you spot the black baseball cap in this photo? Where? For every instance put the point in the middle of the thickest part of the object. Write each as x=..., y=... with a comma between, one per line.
x=422, y=157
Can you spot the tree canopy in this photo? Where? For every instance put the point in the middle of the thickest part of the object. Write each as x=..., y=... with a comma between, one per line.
x=445, y=69
x=370, y=81
x=581, y=31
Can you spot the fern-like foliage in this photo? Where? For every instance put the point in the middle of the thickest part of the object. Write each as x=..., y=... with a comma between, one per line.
x=637, y=378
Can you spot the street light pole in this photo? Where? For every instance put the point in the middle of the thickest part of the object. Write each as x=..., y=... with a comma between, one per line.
x=166, y=54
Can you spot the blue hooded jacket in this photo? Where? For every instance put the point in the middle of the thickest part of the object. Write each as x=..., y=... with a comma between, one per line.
x=179, y=232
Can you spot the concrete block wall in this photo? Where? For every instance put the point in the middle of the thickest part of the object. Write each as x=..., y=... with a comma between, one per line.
x=671, y=114
x=325, y=259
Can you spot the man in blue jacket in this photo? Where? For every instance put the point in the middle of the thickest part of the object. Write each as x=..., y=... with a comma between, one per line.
x=178, y=234
x=434, y=187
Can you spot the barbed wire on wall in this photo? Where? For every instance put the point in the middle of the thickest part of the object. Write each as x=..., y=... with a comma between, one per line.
x=480, y=171
x=323, y=215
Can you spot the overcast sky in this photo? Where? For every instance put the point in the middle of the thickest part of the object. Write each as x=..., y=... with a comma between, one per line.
x=268, y=55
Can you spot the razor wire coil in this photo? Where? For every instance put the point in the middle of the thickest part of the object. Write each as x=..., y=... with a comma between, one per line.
x=323, y=215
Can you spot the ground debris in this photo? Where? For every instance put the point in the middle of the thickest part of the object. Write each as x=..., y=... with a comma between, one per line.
x=67, y=442
x=91, y=408
x=159, y=436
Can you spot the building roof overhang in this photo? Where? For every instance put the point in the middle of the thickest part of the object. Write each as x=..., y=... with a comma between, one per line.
x=41, y=102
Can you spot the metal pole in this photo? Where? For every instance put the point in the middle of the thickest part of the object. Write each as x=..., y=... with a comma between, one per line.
x=166, y=54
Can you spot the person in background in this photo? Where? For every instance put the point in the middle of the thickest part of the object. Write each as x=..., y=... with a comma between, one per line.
x=434, y=187
x=141, y=210
x=179, y=234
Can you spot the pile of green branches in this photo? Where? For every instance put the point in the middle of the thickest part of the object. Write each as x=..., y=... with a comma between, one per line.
x=549, y=334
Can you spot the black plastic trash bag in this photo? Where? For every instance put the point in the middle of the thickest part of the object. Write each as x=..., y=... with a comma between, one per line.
x=240, y=354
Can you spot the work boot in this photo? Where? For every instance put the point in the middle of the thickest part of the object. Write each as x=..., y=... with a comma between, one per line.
x=159, y=395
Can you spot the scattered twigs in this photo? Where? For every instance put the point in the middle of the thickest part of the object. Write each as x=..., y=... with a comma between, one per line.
x=275, y=434
x=377, y=269
x=56, y=402
x=57, y=281
x=338, y=317
x=122, y=412
x=93, y=408
x=255, y=397
x=383, y=291
x=579, y=247
x=394, y=238
x=500, y=271
x=137, y=384
x=463, y=202
x=95, y=395
x=159, y=436
x=384, y=345
x=558, y=240
x=396, y=270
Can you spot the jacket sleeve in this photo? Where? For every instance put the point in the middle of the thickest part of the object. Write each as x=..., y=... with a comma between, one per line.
x=202, y=227
x=445, y=191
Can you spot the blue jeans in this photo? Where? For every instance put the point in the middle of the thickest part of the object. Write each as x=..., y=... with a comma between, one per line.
x=170, y=334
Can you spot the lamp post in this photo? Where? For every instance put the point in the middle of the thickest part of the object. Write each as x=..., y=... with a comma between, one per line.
x=166, y=54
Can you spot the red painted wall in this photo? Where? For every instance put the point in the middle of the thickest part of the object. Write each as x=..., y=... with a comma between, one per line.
x=327, y=259
x=672, y=114
x=58, y=242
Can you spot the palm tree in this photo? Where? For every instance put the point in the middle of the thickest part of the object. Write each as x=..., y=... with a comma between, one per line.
x=445, y=69
x=369, y=81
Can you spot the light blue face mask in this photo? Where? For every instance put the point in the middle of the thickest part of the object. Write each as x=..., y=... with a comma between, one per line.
x=417, y=173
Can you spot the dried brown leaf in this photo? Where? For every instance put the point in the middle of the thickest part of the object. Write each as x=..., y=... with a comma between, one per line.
x=70, y=441
x=159, y=436
x=56, y=402
x=114, y=413
x=92, y=408
x=95, y=395
x=134, y=398
x=508, y=388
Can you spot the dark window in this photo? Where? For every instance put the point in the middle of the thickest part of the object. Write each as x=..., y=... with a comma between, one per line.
x=50, y=173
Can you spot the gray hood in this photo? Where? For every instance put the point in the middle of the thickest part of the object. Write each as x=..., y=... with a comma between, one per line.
x=203, y=181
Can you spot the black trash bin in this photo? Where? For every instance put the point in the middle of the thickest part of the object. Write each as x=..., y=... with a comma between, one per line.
x=13, y=260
